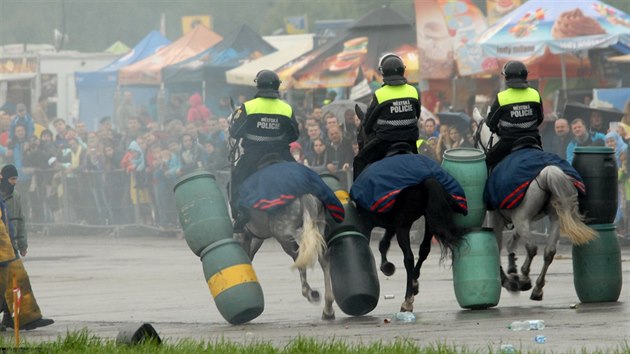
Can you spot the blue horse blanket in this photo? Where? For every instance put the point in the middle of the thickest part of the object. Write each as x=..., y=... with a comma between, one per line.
x=281, y=183
x=377, y=186
x=510, y=179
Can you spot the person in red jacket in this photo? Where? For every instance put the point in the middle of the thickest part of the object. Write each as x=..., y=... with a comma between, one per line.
x=197, y=112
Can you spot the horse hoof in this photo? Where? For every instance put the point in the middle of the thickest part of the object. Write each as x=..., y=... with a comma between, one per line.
x=536, y=295
x=525, y=285
x=314, y=297
x=388, y=268
x=511, y=286
x=328, y=317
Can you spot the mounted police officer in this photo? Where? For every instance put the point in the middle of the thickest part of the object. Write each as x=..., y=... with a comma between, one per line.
x=266, y=125
x=515, y=114
x=392, y=116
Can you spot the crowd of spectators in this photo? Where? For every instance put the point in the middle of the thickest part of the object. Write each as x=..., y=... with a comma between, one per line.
x=121, y=176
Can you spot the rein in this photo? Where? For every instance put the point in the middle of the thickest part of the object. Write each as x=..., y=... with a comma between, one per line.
x=477, y=139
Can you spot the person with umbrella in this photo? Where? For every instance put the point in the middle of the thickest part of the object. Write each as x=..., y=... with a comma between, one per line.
x=392, y=116
x=515, y=114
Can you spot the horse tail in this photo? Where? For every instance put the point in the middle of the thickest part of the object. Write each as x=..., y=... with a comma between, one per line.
x=439, y=216
x=312, y=244
x=565, y=202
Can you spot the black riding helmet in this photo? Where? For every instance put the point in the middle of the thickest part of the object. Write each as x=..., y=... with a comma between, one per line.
x=515, y=74
x=267, y=83
x=392, y=68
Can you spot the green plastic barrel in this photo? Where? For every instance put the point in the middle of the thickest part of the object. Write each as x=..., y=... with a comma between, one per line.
x=353, y=273
x=353, y=270
x=202, y=210
x=476, y=270
x=208, y=231
x=597, y=267
x=598, y=168
x=468, y=167
x=232, y=281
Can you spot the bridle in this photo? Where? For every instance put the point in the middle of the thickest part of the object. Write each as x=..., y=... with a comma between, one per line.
x=477, y=138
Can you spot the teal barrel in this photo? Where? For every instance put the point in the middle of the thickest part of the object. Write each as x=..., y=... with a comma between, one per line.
x=598, y=168
x=352, y=267
x=468, y=167
x=476, y=275
x=597, y=267
x=208, y=231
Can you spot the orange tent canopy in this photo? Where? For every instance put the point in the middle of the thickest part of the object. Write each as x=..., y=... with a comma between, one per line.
x=149, y=70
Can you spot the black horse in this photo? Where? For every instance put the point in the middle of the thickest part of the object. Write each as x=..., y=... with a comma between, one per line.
x=429, y=199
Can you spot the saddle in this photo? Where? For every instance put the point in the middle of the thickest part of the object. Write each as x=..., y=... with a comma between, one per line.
x=399, y=149
x=526, y=142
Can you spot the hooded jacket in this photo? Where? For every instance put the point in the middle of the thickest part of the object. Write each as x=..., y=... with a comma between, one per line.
x=197, y=112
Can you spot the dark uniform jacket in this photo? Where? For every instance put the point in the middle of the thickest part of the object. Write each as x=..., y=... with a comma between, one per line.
x=393, y=113
x=516, y=113
x=265, y=123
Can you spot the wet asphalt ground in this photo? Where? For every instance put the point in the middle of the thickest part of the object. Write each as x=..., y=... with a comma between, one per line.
x=105, y=282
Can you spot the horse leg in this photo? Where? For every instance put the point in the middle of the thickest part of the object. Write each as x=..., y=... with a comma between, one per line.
x=402, y=235
x=249, y=243
x=328, y=313
x=425, y=248
x=498, y=224
x=387, y=267
x=291, y=248
x=524, y=229
x=550, y=252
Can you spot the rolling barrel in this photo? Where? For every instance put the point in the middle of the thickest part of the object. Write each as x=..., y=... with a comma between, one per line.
x=476, y=270
x=597, y=267
x=598, y=168
x=468, y=167
x=207, y=229
x=352, y=267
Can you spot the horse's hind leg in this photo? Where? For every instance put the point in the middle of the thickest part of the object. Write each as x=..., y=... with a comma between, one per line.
x=550, y=252
x=425, y=248
x=328, y=312
x=387, y=267
x=291, y=248
x=402, y=235
x=524, y=229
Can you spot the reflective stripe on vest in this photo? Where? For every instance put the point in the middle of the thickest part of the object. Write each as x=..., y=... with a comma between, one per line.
x=267, y=106
x=263, y=105
x=511, y=96
x=397, y=123
x=388, y=92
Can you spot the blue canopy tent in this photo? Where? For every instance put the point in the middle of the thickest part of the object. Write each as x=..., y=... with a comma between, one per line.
x=206, y=71
x=96, y=89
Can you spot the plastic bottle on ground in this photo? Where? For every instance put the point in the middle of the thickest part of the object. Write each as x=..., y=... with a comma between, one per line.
x=540, y=339
x=407, y=317
x=527, y=325
x=507, y=349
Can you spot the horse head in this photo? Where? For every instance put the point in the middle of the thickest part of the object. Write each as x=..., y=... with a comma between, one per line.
x=484, y=138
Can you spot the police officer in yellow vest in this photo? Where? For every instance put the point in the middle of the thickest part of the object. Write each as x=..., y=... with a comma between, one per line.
x=392, y=116
x=266, y=125
x=515, y=114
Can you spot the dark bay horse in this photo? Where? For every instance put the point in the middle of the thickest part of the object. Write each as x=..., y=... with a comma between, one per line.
x=428, y=199
x=551, y=194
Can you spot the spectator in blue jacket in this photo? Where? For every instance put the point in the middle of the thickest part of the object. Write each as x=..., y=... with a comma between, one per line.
x=22, y=117
x=582, y=137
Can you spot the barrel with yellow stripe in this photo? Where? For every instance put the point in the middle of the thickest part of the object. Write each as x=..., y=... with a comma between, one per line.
x=352, y=268
x=207, y=229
